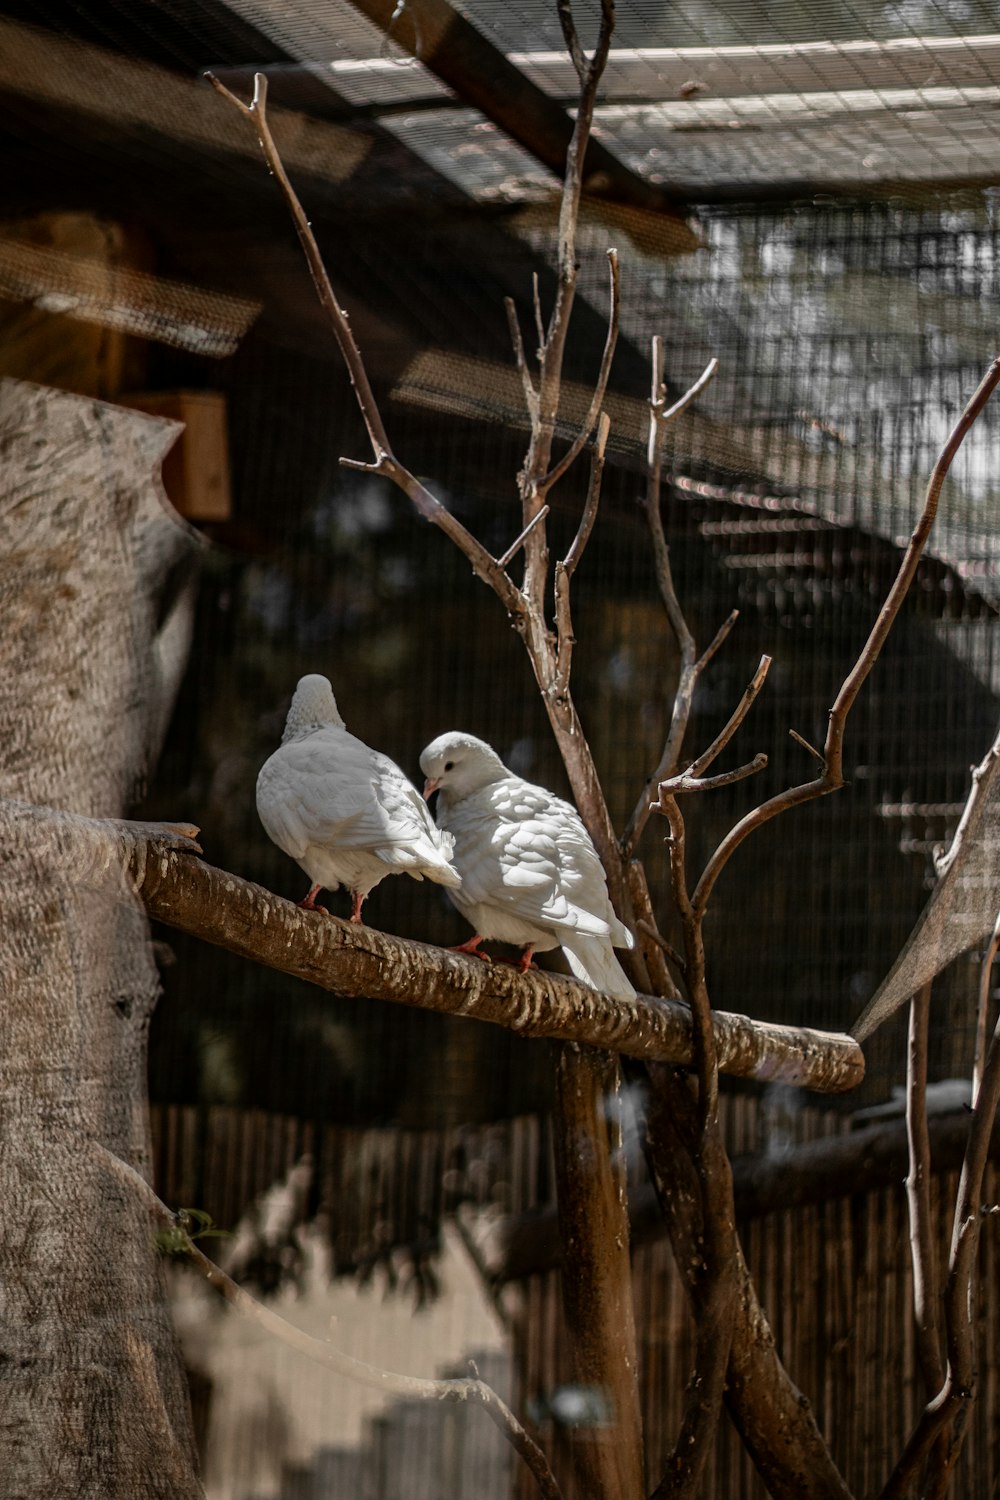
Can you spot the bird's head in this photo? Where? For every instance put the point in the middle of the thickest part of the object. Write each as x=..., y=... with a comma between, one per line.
x=313, y=707
x=458, y=764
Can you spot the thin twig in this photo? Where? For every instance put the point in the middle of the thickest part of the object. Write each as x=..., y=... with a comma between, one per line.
x=750, y=693
x=592, y=502
x=691, y=664
x=653, y=932
x=600, y=389
x=817, y=755
x=832, y=777
x=536, y=302
x=565, y=639
x=528, y=385
x=688, y=783
x=411, y=1387
x=386, y=462
x=256, y=113
x=519, y=541
x=663, y=417
x=925, y=1287
x=721, y=635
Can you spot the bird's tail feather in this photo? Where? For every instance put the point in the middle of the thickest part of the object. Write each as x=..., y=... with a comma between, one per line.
x=593, y=962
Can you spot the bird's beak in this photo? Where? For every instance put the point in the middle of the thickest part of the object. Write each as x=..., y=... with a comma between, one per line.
x=430, y=787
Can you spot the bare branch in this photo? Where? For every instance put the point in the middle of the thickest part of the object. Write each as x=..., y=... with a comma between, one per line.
x=832, y=777
x=390, y=1383
x=925, y=1286
x=773, y=1417
x=600, y=389
x=956, y=1391
x=645, y=923
x=256, y=113
x=833, y=749
x=688, y=783
x=691, y=665
x=664, y=417
x=349, y=959
x=565, y=639
x=592, y=502
x=716, y=1293
x=570, y=37
x=519, y=541
x=817, y=755
x=720, y=637
x=982, y=1018
x=750, y=692
x=385, y=461
x=536, y=302
x=528, y=385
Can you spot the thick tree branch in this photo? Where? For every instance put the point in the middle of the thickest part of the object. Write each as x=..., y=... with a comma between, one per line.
x=389, y=1382
x=771, y=1414
x=715, y=1279
x=349, y=959
x=152, y=861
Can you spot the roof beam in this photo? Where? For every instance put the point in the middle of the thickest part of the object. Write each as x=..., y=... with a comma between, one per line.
x=481, y=75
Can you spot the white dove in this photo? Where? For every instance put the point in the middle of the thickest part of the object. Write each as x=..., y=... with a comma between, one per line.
x=530, y=874
x=346, y=813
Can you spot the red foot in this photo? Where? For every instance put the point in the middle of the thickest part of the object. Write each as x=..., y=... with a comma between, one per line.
x=356, y=908
x=472, y=946
x=309, y=903
x=522, y=964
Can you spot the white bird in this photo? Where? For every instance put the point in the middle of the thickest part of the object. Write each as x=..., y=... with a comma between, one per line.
x=345, y=812
x=530, y=874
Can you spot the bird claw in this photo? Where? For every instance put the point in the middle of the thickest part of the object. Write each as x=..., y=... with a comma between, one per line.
x=473, y=949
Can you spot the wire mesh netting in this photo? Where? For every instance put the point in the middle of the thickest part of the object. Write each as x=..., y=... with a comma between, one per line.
x=841, y=260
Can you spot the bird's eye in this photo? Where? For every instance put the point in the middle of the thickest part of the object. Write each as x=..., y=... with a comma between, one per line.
x=448, y=764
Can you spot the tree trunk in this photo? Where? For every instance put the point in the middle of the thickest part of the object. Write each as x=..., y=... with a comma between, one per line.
x=95, y=635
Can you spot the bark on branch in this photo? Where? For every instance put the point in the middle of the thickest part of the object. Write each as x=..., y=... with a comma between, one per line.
x=156, y=863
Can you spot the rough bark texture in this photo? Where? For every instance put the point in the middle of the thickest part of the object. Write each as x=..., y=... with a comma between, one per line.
x=353, y=960
x=608, y=1454
x=94, y=1399
x=773, y=1417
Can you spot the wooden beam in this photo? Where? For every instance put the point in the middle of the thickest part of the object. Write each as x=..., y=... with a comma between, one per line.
x=817, y=1172
x=61, y=72
x=482, y=76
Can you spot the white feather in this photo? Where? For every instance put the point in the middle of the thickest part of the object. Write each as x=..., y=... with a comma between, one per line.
x=530, y=874
x=346, y=813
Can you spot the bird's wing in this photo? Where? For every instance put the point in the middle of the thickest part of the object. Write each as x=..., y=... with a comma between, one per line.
x=407, y=818
x=526, y=851
x=331, y=789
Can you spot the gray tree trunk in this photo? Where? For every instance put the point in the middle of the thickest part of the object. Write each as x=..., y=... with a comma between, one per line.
x=94, y=635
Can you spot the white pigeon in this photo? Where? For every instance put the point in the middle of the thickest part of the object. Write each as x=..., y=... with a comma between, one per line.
x=530, y=874
x=347, y=813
